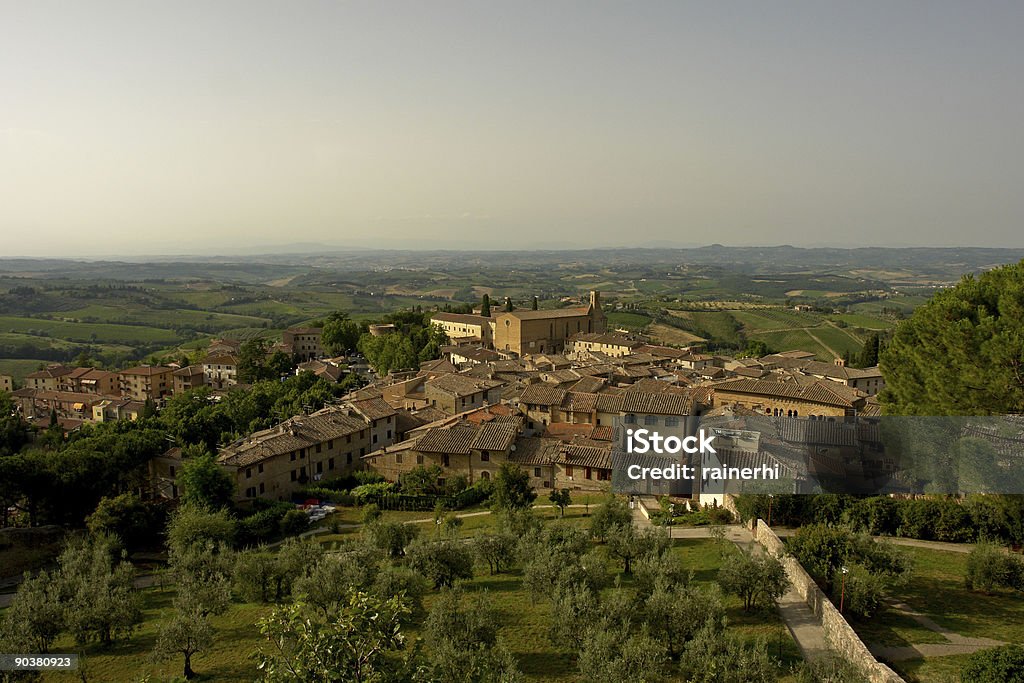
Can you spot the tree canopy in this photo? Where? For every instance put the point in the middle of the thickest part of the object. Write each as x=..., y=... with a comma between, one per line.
x=962, y=353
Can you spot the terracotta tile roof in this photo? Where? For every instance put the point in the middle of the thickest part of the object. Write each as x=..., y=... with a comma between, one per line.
x=440, y=365
x=609, y=403
x=586, y=454
x=146, y=370
x=532, y=450
x=818, y=432
x=579, y=402
x=590, y=385
x=454, y=440
x=460, y=385
x=824, y=392
x=298, y=432
x=545, y=314
x=542, y=395
x=606, y=338
x=655, y=404
x=495, y=436
x=373, y=408
x=565, y=431
x=189, y=371
x=662, y=351
x=49, y=372
x=755, y=460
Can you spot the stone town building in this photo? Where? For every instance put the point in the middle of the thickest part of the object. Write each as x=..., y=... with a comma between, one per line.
x=91, y=381
x=817, y=399
x=6, y=383
x=608, y=343
x=146, y=382
x=546, y=331
x=274, y=462
x=465, y=327
x=458, y=393
x=188, y=378
x=303, y=343
x=220, y=371
x=458, y=447
x=47, y=378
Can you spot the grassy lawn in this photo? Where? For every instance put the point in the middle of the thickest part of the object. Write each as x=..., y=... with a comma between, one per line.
x=936, y=588
x=932, y=670
x=128, y=661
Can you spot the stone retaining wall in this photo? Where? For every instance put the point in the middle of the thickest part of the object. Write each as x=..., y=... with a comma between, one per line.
x=838, y=633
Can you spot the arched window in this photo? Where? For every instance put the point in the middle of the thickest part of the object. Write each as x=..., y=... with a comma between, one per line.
x=630, y=419
x=485, y=475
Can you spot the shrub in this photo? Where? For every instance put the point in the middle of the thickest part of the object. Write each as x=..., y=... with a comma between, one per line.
x=954, y=523
x=391, y=537
x=441, y=562
x=294, y=522
x=862, y=593
x=919, y=517
x=999, y=665
x=878, y=516
x=368, y=492
x=263, y=525
x=990, y=566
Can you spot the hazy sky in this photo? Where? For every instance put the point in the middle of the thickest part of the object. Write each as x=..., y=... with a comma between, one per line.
x=138, y=127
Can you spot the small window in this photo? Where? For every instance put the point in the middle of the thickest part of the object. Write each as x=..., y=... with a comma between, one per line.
x=260, y=468
x=389, y=433
x=419, y=459
x=485, y=456
x=485, y=475
x=292, y=454
x=650, y=419
x=589, y=473
x=630, y=419
x=671, y=421
x=374, y=438
x=319, y=468
x=568, y=471
x=294, y=475
x=318, y=446
x=330, y=463
x=330, y=445
x=398, y=458
x=445, y=460
x=248, y=473
x=536, y=471
x=348, y=458
x=263, y=488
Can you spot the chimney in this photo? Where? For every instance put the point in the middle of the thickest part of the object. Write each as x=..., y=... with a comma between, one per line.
x=841, y=362
x=595, y=299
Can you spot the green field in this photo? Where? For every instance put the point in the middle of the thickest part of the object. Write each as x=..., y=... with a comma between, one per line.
x=628, y=320
x=88, y=332
x=164, y=318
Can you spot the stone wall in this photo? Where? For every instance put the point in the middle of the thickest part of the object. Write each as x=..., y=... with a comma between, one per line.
x=838, y=633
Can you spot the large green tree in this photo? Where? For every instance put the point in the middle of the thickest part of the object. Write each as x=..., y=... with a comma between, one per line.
x=205, y=483
x=962, y=353
x=339, y=333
